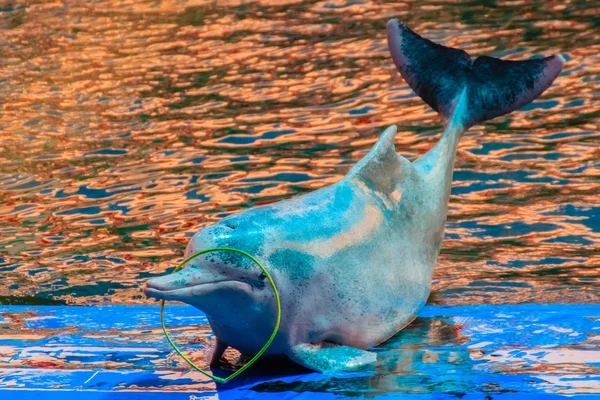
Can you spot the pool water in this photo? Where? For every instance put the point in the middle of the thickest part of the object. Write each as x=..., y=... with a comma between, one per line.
x=128, y=126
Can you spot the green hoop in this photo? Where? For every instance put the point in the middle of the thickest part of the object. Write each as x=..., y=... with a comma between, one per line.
x=264, y=348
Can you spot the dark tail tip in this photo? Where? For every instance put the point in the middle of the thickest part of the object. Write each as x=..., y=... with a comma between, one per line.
x=440, y=74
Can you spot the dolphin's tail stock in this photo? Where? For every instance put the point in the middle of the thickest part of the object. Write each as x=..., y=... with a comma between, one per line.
x=440, y=75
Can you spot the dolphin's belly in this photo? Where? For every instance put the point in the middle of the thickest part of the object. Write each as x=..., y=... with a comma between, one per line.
x=363, y=296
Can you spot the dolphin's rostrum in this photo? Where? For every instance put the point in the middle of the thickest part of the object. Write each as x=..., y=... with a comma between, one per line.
x=353, y=261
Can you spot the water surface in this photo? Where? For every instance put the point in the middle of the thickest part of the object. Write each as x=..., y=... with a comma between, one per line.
x=128, y=126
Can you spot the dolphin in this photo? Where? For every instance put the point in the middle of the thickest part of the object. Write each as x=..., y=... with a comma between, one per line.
x=353, y=261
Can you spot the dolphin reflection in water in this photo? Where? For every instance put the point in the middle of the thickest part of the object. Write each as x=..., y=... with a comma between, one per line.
x=353, y=262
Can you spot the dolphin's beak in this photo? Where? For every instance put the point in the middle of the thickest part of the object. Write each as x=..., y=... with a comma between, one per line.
x=184, y=285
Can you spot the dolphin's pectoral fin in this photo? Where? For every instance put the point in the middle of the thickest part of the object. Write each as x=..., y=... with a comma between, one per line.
x=217, y=352
x=328, y=357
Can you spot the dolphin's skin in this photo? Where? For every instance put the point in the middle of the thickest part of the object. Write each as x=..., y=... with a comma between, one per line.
x=353, y=261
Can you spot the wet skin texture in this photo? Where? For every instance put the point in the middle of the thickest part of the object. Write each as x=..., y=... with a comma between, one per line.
x=353, y=261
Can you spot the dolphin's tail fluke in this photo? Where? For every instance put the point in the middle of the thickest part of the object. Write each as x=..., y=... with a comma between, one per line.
x=493, y=87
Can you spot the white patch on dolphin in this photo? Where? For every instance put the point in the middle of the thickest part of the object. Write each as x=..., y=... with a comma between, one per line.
x=370, y=221
x=353, y=261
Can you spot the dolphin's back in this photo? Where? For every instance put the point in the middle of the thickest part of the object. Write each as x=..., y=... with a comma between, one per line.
x=440, y=74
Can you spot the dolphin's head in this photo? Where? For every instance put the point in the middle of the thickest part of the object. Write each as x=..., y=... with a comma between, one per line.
x=228, y=287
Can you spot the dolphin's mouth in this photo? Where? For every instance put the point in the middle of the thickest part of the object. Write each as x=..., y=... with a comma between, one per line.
x=155, y=290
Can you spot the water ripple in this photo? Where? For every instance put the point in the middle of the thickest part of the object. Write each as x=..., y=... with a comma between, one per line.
x=127, y=126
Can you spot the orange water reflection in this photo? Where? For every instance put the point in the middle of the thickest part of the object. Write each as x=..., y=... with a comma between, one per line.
x=127, y=126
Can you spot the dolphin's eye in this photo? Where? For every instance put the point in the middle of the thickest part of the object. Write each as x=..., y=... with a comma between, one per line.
x=262, y=276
